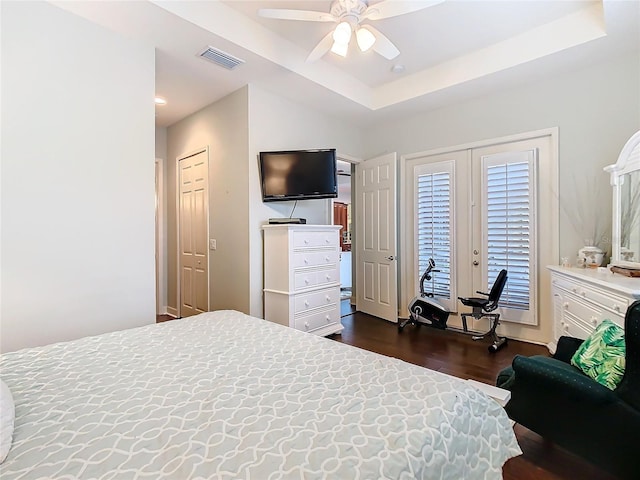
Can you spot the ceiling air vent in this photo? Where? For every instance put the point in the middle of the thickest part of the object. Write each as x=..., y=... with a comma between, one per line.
x=221, y=58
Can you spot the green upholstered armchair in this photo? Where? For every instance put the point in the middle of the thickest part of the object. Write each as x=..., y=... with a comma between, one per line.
x=560, y=403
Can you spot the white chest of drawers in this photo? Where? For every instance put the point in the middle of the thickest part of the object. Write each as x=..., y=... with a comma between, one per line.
x=583, y=297
x=302, y=277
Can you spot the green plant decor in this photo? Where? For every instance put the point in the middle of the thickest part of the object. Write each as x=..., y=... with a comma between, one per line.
x=602, y=355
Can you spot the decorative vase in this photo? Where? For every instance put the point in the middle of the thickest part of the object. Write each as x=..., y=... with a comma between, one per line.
x=590, y=256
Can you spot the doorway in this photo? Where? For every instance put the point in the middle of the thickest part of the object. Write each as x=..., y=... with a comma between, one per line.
x=342, y=217
x=161, y=241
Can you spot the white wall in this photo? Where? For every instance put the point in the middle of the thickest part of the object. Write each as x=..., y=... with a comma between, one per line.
x=279, y=124
x=161, y=142
x=221, y=126
x=77, y=202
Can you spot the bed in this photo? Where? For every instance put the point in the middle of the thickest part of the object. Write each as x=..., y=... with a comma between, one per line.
x=225, y=395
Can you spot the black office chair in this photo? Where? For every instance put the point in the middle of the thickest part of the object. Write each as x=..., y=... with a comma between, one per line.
x=482, y=308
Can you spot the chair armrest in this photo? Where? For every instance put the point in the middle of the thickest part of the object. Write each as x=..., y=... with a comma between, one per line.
x=561, y=379
x=566, y=348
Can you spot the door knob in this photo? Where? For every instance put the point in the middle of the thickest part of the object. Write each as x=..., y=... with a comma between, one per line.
x=475, y=263
x=391, y=257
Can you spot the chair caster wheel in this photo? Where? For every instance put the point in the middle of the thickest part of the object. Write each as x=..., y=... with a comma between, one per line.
x=400, y=327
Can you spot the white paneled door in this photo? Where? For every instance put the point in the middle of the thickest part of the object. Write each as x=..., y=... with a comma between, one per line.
x=193, y=234
x=376, y=237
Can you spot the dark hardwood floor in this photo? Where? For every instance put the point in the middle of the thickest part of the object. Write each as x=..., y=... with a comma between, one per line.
x=456, y=354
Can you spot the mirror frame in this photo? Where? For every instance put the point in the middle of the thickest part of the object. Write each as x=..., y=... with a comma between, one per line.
x=628, y=161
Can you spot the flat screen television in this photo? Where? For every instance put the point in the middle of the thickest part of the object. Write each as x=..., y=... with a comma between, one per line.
x=298, y=175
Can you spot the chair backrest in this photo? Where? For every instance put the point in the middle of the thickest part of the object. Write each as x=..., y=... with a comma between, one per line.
x=496, y=290
x=629, y=387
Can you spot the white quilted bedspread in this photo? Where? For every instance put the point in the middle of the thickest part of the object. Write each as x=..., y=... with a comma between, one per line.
x=225, y=396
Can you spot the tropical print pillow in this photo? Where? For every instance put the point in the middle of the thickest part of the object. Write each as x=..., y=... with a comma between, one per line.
x=602, y=355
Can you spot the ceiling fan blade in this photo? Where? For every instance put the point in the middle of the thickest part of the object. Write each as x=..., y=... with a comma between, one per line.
x=305, y=15
x=392, y=8
x=383, y=45
x=321, y=48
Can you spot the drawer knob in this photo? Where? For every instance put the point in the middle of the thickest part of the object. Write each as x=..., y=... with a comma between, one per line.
x=326, y=259
x=306, y=260
x=594, y=320
x=306, y=303
x=574, y=289
x=328, y=318
x=326, y=240
x=583, y=293
x=306, y=325
x=306, y=280
x=306, y=241
x=328, y=298
x=566, y=328
x=328, y=277
x=616, y=308
x=566, y=305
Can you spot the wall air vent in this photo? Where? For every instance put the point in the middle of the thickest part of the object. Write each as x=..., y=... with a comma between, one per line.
x=221, y=58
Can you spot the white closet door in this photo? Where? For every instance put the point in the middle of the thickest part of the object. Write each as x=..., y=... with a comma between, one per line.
x=193, y=234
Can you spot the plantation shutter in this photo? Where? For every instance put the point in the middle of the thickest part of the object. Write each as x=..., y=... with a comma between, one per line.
x=509, y=228
x=434, y=206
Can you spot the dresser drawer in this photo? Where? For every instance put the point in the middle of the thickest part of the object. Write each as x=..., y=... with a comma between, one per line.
x=581, y=310
x=314, y=258
x=308, y=301
x=315, y=239
x=314, y=278
x=573, y=327
x=317, y=319
x=615, y=304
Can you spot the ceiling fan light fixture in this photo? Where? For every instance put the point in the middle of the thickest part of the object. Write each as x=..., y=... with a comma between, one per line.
x=365, y=39
x=340, y=48
x=342, y=33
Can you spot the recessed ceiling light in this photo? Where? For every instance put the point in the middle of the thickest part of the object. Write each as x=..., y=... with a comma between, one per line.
x=160, y=101
x=397, y=68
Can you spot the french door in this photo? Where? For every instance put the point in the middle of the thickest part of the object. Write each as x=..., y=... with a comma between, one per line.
x=476, y=211
x=506, y=227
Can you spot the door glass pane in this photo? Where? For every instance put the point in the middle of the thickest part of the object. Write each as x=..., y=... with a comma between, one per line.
x=508, y=230
x=434, y=229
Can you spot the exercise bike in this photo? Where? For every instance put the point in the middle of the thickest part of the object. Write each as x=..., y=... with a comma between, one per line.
x=424, y=309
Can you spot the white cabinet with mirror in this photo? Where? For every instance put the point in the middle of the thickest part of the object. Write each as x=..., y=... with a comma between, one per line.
x=625, y=180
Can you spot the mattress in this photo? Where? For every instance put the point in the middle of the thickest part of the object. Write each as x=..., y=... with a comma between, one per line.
x=224, y=395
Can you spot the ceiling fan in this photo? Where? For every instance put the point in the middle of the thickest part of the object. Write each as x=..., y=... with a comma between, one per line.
x=349, y=15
